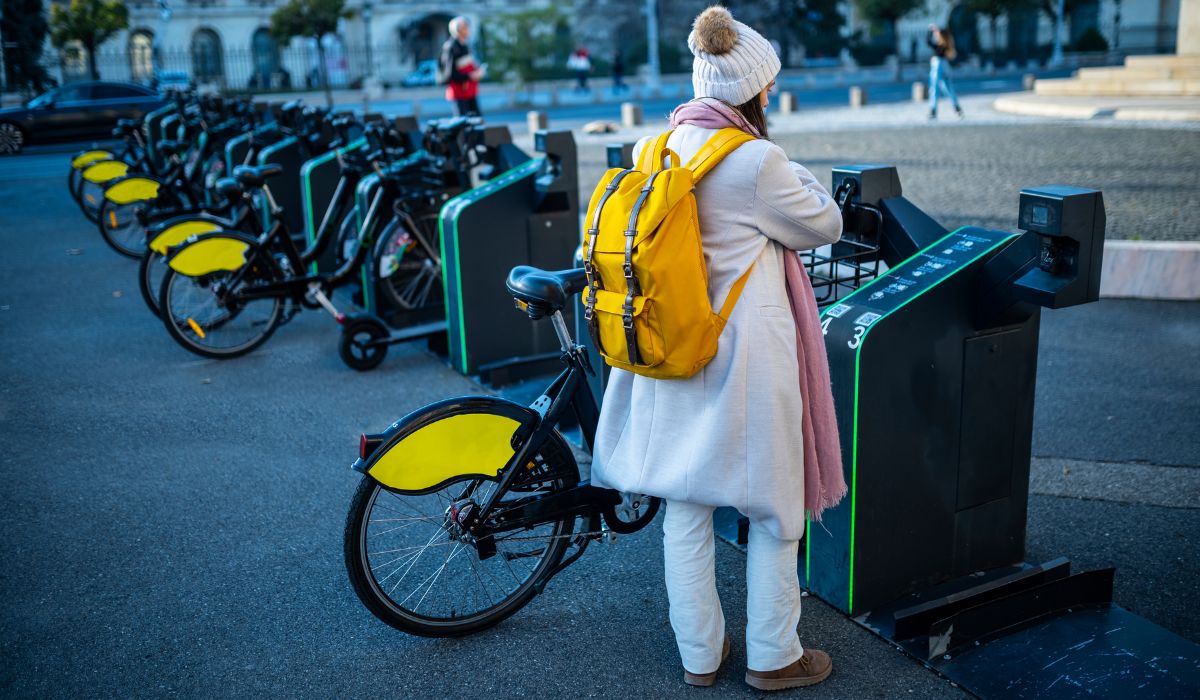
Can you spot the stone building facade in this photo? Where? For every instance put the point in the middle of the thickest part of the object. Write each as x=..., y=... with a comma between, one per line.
x=226, y=43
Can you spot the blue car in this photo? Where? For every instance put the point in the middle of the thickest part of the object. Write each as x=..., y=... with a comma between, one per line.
x=74, y=112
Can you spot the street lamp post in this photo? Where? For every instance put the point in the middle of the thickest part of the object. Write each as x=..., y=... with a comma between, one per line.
x=367, y=11
x=654, y=70
x=164, y=16
x=1056, y=58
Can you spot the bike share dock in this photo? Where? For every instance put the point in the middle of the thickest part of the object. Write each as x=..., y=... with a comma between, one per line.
x=933, y=366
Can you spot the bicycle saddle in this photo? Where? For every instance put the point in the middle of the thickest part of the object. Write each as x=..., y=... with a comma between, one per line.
x=256, y=175
x=545, y=290
x=229, y=188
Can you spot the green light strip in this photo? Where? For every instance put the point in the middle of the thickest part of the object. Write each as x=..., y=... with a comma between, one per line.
x=310, y=226
x=857, y=367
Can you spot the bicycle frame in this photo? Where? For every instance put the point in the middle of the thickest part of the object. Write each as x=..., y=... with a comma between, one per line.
x=568, y=394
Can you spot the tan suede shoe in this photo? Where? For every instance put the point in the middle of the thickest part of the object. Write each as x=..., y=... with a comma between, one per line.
x=810, y=669
x=704, y=680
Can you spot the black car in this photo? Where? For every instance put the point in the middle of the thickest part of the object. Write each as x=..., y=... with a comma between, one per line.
x=74, y=111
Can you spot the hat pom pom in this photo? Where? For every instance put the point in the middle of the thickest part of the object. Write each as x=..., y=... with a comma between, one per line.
x=715, y=33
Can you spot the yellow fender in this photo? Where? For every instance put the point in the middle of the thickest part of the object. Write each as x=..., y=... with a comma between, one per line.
x=105, y=170
x=133, y=189
x=208, y=255
x=174, y=235
x=445, y=441
x=86, y=158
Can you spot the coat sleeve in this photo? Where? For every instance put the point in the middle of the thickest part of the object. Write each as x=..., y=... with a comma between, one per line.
x=791, y=207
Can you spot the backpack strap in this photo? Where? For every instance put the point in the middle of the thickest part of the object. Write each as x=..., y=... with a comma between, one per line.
x=589, y=268
x=735, y=293
x=715, y=149
x=649, y=160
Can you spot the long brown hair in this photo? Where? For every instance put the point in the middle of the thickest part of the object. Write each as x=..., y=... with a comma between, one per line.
x=946, y=40
x=752, y=110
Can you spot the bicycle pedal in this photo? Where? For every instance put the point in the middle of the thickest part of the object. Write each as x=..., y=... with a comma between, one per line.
x=608, y=536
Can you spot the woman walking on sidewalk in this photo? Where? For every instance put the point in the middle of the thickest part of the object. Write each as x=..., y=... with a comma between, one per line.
x=746, y=429
x=942, y=43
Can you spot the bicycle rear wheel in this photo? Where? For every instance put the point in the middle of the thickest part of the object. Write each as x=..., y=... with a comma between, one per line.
x=411, y=571
x=151, y=272
x=122, y=228
x=408, y=278
x=201, y=315
x=91, y=197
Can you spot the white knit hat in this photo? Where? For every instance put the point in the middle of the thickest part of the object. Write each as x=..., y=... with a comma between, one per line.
x=732, y=61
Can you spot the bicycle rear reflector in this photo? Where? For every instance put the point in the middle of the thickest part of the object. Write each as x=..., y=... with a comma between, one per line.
x=367, y=444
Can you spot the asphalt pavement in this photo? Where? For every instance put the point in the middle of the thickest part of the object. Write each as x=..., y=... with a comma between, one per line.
x=173, y=525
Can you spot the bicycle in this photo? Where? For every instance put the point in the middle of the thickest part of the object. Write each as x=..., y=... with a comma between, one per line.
x=237, y=212
x=224, y=293
x=488, y=489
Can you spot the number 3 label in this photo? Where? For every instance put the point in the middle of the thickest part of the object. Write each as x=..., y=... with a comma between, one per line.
x=854, y=342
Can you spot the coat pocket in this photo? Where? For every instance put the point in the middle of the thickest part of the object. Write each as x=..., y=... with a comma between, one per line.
x=774, y=311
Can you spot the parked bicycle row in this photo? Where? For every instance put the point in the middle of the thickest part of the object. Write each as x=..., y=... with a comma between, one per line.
x=243, y=214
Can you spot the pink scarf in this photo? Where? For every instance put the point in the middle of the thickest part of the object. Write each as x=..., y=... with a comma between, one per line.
x=824, y=482
x=711, y=113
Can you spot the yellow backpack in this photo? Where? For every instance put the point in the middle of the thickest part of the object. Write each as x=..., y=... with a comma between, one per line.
x=646, y=304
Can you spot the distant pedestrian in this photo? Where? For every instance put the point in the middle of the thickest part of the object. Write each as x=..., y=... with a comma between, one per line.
x=618, y=71
x=582, y=65
x=942, y=43
x=459, y=71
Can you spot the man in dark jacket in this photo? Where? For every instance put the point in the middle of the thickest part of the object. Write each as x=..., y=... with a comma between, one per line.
x=458, y=69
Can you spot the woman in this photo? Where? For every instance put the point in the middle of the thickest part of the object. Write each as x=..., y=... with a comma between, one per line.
x=942, y=43
x=729, y=435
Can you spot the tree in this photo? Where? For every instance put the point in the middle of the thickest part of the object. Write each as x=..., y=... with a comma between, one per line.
x=520, y=43
x=90, y=22
x=890, y=12
x=993, y=9
x=814, y=24
x=23, y=26
x=310, y=18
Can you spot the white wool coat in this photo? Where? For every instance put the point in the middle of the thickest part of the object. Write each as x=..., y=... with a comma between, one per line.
x=729, y=435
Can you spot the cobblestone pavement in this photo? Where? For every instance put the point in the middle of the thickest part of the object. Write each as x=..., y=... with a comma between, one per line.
x=970, y=173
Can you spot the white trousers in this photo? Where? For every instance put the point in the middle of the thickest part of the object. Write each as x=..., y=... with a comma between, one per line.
x=772, y=592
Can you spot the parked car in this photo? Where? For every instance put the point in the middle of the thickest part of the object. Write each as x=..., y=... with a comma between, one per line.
x=75, y=111
x=425, y=74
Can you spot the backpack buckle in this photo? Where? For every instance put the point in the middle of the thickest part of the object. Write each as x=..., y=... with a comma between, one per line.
x=627, y=319
x=628, y=271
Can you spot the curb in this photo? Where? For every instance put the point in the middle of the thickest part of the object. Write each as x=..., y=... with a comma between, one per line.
x=1162, y=270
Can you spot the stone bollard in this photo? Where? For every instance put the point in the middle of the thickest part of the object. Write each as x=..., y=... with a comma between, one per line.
x=920, y=91
x=631, y=114
x=536, y=120
x=1028, y=80
x=858, y=97
x=788, y=103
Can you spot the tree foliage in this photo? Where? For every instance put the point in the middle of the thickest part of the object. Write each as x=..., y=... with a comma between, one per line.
x=23, y=26
x=522, y=44
x=889, y=12
x=993, y=10
x=310, y=18
x=814, y=24
x=90, y=22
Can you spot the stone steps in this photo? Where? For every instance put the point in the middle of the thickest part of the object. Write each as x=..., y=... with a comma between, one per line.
x=1164, y=61
x=1127, y=73
x=1141, y=76
x=1117, y=88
